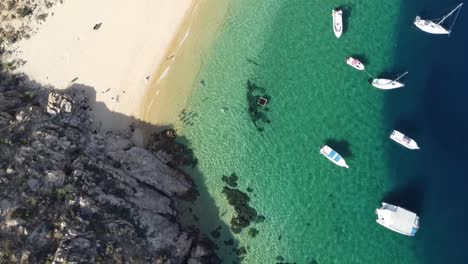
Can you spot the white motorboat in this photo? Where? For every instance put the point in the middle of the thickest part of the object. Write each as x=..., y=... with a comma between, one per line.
x=403, y=140
x=333, y=156
x=387, y=84
x=355, y=63
x=397, y=219
x=337, y=22
x=435, y=26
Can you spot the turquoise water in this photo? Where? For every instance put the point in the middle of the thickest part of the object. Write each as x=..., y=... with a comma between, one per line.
x=315, y=211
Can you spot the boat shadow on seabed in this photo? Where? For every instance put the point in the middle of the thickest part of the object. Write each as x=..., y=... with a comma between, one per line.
x=347, y=12
x=341, y=146
x=410, y=197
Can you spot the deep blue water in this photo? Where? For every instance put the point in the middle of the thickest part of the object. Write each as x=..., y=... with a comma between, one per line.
x=433, y=109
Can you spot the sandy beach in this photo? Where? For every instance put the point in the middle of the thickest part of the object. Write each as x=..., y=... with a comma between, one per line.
x=113, y=47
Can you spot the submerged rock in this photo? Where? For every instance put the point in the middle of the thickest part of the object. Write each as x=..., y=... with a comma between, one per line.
x=231, y=180
x=215, y=234
x=253, y=232
x=279, y=258
x=241, y=251
x=257, y=112
x=240, y=201
x=168, y=150
x=229, y=242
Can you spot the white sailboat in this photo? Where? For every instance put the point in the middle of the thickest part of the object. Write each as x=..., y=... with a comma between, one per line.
x=337, y=22
x=403, y=140
x=355, y=63
x=435, y=26
x=333, y=156
x=387, y=84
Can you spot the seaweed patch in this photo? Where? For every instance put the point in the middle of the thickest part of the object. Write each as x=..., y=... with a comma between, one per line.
x=257, y=99
x=231, y=180
x=240, y=201
x=188, y=118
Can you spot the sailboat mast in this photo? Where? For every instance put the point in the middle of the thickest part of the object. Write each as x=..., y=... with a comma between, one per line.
x=399, y=77
x=449, y=14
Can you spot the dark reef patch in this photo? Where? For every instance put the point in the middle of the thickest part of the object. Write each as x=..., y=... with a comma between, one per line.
x=229, y=242
x=253, y=232
x=230, y=180
x=240, y=201
x=258, y=113
x=215, y=234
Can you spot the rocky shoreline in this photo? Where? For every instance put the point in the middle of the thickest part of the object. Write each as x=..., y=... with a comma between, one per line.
x=71, y=194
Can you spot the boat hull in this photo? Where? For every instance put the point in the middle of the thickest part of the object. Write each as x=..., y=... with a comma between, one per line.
x=430, y=27
x=356, y=64
x=333, y=156
x=337, y=22
x=403, y=140
x=396, y=213
x=386, y=84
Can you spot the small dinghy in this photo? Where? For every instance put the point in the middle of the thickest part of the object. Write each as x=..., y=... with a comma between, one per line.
x=355, y=63
x=403, y=140
x=337, y=22
x=387, y=84
x=333, y=156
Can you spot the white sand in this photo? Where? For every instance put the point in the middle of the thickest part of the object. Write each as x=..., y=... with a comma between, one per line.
x=129, y=46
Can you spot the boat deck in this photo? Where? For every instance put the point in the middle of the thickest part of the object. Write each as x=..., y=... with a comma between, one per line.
x=399, y=219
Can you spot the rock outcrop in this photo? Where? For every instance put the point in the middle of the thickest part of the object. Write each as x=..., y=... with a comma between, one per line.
x=73, y=195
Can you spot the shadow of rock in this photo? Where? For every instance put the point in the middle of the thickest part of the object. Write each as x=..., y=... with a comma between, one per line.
x=140, y=134
x=341, y=146
x=207, y=220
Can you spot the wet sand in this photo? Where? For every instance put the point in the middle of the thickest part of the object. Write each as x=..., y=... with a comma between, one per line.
x=173, y=82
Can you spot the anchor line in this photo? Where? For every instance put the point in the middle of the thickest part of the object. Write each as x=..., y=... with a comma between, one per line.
x=370, y=75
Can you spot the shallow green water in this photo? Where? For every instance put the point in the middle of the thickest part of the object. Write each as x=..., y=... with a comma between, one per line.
x=314, y=209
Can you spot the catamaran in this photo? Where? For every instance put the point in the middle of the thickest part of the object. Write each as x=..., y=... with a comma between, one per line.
x=403, y=140
x=397, y=219
x=355, y=63
x=435, y=26
x=387, y=84
x=333, y=156
x=337, y=22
